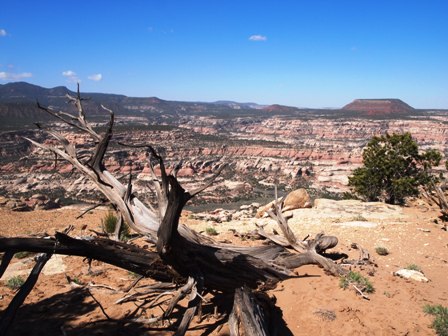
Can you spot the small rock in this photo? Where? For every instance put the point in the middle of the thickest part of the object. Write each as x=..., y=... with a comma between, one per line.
x=20, y=180
x=411, y=274
x=39, y=197
x=17, y=205
x=48, y=205
x=3, y=200
x=262, y=211
x=21, y=208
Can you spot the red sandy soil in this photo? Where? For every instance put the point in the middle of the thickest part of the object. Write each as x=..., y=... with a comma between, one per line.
x=307, y=302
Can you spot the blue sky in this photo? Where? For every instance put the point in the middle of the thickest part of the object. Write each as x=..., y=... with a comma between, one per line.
x=300, y=53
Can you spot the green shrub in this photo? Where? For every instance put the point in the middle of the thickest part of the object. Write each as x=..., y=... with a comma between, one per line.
x=77, y=281
x=211, y=231
x=382, y=251
x=346, y=195
x=414, y=267
x=109, y=223
x=358, y=280
x=74, y=280
x=15, y=282
x=440, y=323
x=393, y=169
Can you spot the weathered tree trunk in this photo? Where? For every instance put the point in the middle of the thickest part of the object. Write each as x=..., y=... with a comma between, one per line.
x=181, y=252
x=247, y=317
x=119, y=254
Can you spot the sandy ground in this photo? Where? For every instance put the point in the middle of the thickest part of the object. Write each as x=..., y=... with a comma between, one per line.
x=311, y=304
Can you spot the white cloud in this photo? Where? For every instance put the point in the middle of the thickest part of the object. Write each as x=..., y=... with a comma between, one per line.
x=14, y=76
x=68, y=73
x=3, y=32
x=96, y=77
x=258, y=38
x=71, y=76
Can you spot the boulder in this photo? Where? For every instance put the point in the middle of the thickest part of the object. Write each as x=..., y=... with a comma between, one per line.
x=297, y=199
x=411, y=274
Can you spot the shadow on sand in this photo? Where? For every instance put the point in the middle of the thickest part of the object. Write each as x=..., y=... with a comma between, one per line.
x=56, y=315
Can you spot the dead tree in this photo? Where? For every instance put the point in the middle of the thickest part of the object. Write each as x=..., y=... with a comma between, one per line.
x=180, y=253
x=434, y=192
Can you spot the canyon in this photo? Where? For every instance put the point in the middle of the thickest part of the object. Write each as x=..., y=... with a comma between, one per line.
x=263, y=145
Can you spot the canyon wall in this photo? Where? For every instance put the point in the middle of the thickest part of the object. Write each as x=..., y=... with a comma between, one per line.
x=319, y=152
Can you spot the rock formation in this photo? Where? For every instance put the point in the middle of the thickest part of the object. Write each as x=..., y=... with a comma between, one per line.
x=375, y=107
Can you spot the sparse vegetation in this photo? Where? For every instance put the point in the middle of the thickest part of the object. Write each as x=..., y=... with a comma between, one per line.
x=15, y=282
x=77, y=281
x=74, y=280
x=23, y=255
x=211, y=231
x=325, y=314
x=324, y=193
x=440, y=323
x=134, y=275
x=109, y=223
x=358, y=218
x=355, y=278
x=382, y=251
x=414, y=267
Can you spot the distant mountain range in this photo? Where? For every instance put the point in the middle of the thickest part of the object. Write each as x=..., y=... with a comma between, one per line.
x=18, y=104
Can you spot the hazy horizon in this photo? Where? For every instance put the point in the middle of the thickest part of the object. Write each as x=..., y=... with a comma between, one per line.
x=305, y=54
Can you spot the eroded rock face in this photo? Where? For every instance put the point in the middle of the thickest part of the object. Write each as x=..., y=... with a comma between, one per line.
x=261, y=152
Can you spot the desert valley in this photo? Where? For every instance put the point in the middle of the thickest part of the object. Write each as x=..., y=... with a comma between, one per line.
x=262, y=147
